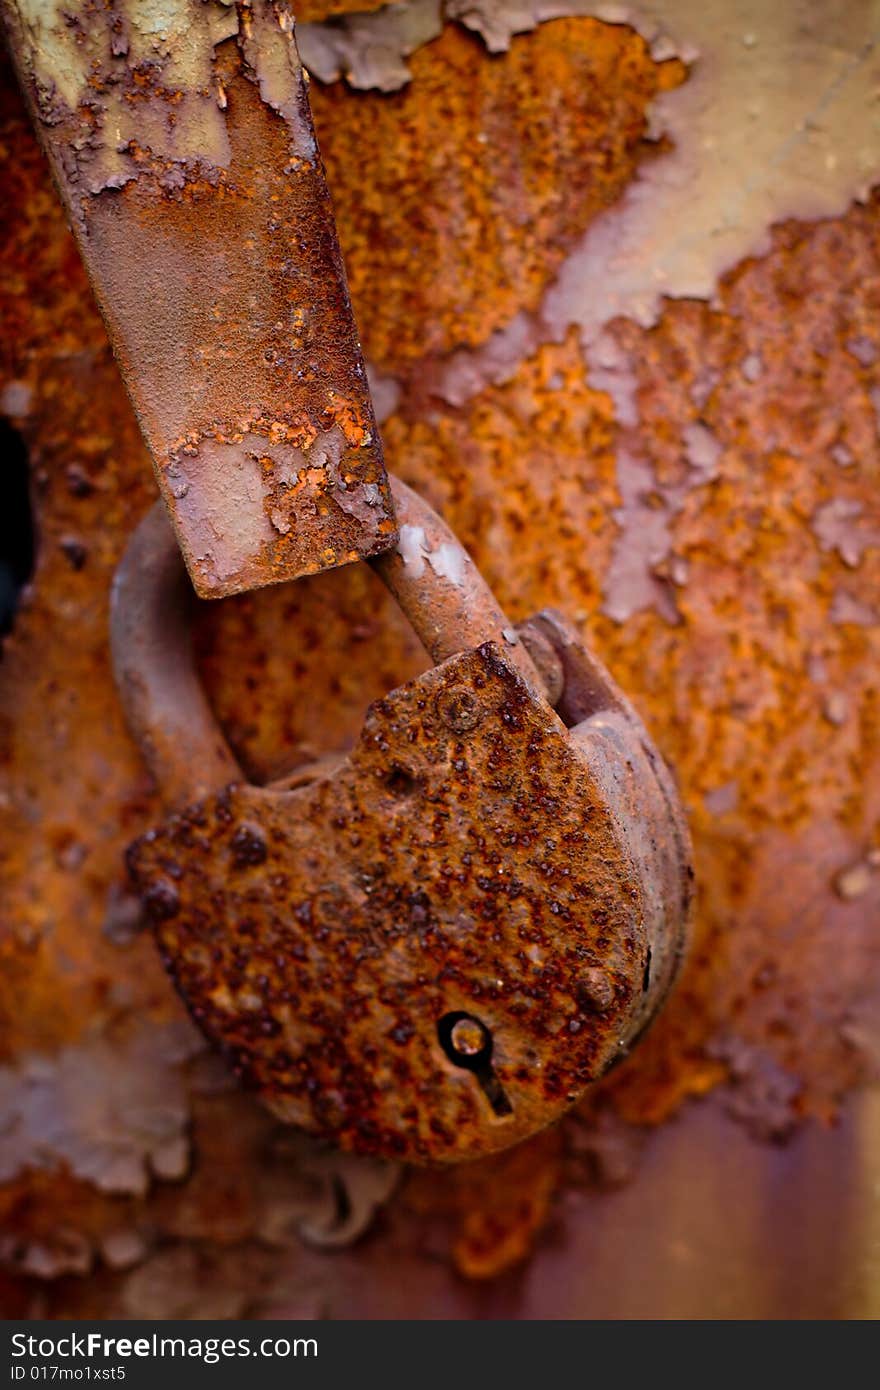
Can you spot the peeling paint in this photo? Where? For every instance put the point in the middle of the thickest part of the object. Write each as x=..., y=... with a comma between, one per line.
x=803, y=74
x=79, y=60
x=842, y=454
x=633, y=583
x=145, y=76
x=411, y=546
x=806, y=148
x=752, y=367
x=115, y=1115
x=764, y=129
x=386, y=392
x=702, y=451
x=761, y=1093
x=270, y=53
x=447, y=562
x=467, y=371
x=369, y=48
x=346, y=1194
x=177, y=1283
x=863, y=350
x=610, y=370
x=841, y=525
x=848, y=608
x=66, y=1251
x=644, y=571
x=123, y=1248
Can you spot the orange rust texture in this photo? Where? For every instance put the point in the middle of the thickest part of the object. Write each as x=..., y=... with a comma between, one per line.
x=220, y=243
x=445, y=239
x=499, y=1232
x=762, y=694
x=247, y=376
x=765, y=686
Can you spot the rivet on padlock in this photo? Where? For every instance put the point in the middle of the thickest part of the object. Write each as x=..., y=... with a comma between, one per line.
x=430, y=948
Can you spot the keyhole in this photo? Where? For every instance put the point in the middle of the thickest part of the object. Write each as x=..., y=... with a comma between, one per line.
x=468, y=1043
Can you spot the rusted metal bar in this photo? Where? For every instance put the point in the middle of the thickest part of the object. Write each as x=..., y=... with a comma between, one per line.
x=182, y=142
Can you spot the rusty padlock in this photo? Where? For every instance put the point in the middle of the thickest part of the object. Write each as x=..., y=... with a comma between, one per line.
x=427, y=949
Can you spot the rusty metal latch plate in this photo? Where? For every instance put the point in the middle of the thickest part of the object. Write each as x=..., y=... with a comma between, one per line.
x=183, y=146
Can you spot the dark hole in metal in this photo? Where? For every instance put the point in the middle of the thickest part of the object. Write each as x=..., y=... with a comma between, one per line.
x=16, y=524
x=341, y=1200
x=476, y=1059
x=646, y=978
x=494, y=1092
x=400, y=782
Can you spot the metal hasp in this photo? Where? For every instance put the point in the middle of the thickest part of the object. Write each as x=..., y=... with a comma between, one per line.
x=427, y=949
x=181, y=139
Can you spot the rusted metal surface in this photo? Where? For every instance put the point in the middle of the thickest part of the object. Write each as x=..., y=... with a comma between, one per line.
x=758, y=685
x=433, y=578
x=430, y=949
x=446, y=250
x=443, y=594
x=323, y=936
x=183, y=144
x=151, y=601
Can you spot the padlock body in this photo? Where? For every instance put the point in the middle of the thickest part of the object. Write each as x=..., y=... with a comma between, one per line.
x=467, y=868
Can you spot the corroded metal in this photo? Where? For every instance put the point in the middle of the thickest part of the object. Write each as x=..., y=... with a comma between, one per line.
x=170, y=712
x=441, y=591
x=449, y=604
x=182, y=141
x=760, y=690
x=431, y=948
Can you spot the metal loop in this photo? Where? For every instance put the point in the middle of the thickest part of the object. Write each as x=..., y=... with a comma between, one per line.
x=440, y=589
x=430, y=574
x=164, y=702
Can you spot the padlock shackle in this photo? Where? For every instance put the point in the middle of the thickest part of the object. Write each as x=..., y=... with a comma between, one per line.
x=151, y=647
x=436, y=583
x=440, y=589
